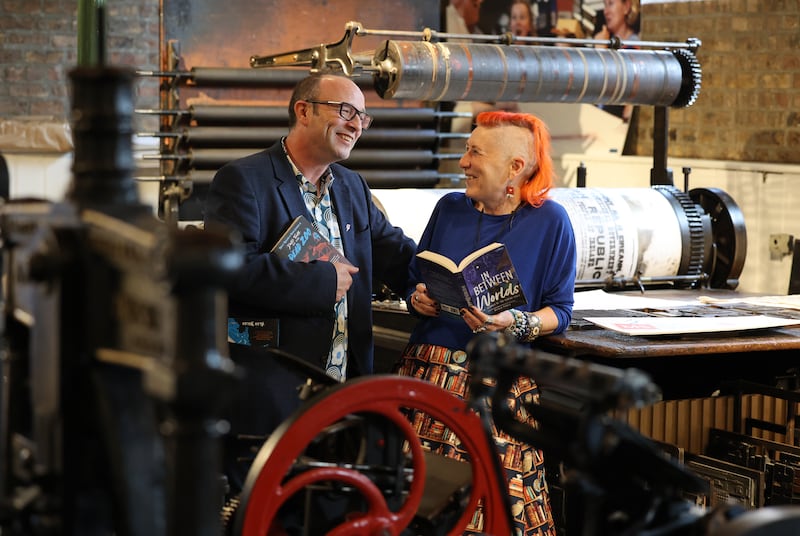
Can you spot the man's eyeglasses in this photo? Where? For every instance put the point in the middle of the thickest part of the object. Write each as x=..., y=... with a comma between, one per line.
x=348, y=112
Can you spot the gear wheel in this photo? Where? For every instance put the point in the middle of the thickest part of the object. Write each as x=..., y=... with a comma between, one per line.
x=692, y=76
x=694, y=229
x=229, y=510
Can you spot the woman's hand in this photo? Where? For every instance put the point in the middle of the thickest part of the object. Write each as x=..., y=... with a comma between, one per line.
x=478, y=321
x=423, y=303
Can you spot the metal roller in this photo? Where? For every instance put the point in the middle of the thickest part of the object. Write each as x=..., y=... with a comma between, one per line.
x=211, y=115
x=376, y=178
x=215, y=158
x=631, y=233
x=204, y=114
x=493, y=72
x=279, y=115
x=259, y=137
x=232, y=77
x=495, y=68
x=224, y=77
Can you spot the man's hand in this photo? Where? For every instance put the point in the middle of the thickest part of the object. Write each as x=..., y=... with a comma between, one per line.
x=344, y=278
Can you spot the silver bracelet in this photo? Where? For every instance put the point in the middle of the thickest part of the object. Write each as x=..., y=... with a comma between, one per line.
x=534, y=327
x=526, y=326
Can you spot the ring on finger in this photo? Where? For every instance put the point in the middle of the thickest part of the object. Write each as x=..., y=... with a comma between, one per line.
x=489, y=321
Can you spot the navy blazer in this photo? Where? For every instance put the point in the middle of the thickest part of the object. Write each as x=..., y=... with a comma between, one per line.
x=258, y=196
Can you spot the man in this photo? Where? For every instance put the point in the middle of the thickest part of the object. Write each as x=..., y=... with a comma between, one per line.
x=323, y=309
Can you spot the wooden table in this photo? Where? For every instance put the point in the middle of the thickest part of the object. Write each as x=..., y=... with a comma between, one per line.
x=688, y=365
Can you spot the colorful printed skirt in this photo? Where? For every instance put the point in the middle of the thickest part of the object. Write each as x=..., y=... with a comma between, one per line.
x=524, y=465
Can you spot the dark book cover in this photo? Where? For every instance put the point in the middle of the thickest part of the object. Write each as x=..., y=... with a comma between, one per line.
x=486, y=278
x=259, y=332
x=301, y=242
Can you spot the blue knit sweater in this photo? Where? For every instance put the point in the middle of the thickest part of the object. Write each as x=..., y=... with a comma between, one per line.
x=541, y=243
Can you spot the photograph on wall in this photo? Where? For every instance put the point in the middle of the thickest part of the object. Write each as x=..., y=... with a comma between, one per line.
x=575, y=127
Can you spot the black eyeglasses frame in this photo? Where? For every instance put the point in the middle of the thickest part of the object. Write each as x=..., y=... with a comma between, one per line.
x=366, y=119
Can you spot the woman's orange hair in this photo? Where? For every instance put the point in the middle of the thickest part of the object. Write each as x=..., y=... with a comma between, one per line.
x=535, y=189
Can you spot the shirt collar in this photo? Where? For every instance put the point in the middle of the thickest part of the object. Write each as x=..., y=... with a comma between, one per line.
x=324, y=181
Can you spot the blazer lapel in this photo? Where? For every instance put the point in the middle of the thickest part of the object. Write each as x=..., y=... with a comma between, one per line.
x=286, y=182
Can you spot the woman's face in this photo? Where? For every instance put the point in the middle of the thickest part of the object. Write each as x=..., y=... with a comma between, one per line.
x=521, y=23
x=615, y=12
x=486, y=166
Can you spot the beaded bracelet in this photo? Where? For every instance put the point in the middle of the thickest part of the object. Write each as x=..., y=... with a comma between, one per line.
x=526, y=326
x=534, y=327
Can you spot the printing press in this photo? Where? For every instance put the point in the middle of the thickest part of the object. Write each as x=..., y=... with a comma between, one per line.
x=112, y=343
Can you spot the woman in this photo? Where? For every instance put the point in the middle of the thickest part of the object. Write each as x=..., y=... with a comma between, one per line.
x=621, y=20
x=509, y=172
x=521, y=24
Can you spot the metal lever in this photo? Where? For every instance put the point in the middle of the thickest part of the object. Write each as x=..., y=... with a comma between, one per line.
x=320, y=57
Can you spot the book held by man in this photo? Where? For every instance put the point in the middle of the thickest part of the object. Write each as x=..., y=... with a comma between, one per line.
x=485, y=278
x=301, y=242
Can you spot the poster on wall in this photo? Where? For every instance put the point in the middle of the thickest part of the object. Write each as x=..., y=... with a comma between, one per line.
x=575, y=128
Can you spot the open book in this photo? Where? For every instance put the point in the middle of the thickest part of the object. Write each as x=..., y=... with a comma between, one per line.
x=301, y=242
x=485, y=278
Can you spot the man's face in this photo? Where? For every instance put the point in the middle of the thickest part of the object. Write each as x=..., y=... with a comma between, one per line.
x=336, y=136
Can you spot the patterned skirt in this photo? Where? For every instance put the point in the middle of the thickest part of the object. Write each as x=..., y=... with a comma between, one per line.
x=524, y=465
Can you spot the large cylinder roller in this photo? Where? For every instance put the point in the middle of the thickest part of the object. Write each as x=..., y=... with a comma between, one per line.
x=630, y=236
x=493, y=68
x=494, y=72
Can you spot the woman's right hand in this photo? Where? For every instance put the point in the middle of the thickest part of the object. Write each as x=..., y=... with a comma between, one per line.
x=422, y=302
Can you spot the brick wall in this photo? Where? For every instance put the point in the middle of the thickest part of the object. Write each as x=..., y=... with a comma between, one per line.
x=748, y=110
x=39, y=48
x=749, y=104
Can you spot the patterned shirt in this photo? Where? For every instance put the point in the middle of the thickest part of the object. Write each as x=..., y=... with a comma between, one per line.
x=318, y=202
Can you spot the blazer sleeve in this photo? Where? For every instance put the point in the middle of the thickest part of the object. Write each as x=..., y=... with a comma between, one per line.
x=392, y=251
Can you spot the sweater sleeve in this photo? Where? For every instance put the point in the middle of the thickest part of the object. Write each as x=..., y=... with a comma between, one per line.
x=559, y=285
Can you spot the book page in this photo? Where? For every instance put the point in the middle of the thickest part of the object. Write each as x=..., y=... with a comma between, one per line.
x=448, y=263
x=444, y=286
x=477, y=253
x=439, y=259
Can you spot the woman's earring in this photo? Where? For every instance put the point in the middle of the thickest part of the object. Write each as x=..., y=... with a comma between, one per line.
x=509, y=191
